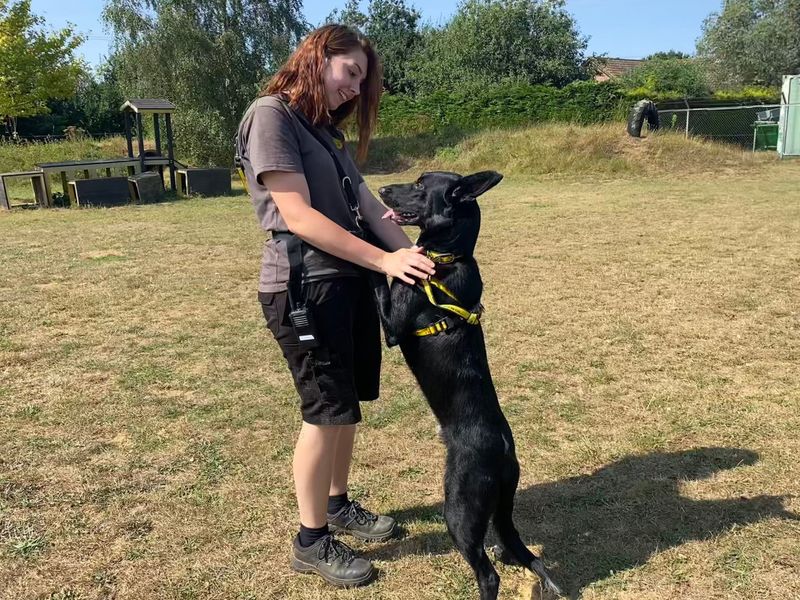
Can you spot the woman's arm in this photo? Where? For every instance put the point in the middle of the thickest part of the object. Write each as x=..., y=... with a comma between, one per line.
x=291, y=196
x=372, y=209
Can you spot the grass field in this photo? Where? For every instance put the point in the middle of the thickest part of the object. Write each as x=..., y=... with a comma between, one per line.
x=644, y=337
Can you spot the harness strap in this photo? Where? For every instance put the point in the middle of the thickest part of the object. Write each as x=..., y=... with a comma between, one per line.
x=470, y=317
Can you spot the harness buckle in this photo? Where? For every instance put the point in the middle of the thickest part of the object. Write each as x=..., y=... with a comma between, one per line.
x=434, y=328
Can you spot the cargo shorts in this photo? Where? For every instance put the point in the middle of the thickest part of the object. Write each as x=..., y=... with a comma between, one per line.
x=345, y=368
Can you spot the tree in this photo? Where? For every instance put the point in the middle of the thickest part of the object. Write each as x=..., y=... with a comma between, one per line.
x=392, y=28
x=37, y=66
x=667, y=55
x=752, y=41
x=93, y=108
x=488, y=41
x=98, y=100
x=209, y=57
x=350, y=15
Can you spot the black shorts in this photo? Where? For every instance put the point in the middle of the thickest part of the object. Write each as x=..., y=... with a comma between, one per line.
x=345, y=368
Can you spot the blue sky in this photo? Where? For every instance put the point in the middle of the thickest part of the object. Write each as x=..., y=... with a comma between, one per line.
x=618, y=28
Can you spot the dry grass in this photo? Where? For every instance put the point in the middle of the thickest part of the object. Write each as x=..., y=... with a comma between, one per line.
x=19, y=157
x=644, y=337
x=559, y=150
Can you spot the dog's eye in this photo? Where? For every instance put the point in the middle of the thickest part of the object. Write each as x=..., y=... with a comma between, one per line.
x=418, y=186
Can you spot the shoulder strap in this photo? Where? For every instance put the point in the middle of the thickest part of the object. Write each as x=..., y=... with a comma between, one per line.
x=344, y=178
x=294, y=250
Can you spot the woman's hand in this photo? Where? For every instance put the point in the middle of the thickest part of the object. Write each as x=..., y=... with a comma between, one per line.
x=407, y=263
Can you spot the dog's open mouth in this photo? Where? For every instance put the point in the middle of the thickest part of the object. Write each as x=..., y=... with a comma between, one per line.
x=401, y=217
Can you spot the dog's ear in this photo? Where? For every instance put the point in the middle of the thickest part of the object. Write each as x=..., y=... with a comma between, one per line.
x=470, y=187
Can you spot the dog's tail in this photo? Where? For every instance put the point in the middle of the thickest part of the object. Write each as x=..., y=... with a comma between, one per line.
x=512, y=544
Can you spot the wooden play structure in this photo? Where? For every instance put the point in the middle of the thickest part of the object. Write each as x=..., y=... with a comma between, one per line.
x=135, y=110
x=143, y=178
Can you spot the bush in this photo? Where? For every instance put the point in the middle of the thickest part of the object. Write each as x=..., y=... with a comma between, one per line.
x=684, y=77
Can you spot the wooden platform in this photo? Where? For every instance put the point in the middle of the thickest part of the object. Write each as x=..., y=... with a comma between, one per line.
x=88, y=167
x=204, y=182
x=106, y=192
x=37, y=181
x=146, y=188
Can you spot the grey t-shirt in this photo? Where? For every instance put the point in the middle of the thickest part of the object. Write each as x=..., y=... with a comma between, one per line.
x=271, y=138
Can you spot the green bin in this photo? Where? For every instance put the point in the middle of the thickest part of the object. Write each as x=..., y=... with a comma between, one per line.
x=765, y=136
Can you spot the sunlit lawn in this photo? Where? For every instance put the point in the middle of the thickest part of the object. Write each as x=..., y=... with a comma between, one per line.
x=644, y=337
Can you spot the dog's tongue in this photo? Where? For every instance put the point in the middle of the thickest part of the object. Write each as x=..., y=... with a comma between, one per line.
x=389, y=214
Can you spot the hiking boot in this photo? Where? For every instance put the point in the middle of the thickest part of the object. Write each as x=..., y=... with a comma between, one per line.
x=333, y=560
x=357, y=521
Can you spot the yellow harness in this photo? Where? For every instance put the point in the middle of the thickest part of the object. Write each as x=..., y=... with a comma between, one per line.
x=427, y=285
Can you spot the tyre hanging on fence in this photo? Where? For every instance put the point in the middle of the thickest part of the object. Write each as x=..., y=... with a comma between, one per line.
x=641, y=111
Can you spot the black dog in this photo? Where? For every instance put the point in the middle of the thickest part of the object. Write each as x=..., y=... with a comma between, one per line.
x=445, y=349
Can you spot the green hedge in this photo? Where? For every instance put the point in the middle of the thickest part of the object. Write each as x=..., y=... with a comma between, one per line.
x=515, y=104
x=500, y=106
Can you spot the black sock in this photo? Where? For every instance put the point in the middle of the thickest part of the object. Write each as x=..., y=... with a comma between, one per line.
x=309, y=535
x=337, y=503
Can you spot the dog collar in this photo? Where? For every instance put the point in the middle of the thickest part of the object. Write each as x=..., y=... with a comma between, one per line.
x=442, y=258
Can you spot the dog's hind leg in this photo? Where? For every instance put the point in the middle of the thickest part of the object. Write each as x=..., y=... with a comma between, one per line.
x=511, y=545
x=467, y=525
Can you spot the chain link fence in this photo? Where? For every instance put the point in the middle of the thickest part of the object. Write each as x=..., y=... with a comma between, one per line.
x=740, y=125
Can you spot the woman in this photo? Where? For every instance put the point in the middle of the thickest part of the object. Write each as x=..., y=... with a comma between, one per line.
x=294, y=186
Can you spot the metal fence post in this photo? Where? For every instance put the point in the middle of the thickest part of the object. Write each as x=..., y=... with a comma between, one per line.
x=688, y=112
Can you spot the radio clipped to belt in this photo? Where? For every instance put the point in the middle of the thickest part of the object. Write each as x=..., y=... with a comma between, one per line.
x=300, y=315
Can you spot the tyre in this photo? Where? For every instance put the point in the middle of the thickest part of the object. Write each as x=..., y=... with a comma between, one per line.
x=641, y=111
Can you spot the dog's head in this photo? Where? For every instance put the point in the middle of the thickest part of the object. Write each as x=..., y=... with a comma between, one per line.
x=437, y=200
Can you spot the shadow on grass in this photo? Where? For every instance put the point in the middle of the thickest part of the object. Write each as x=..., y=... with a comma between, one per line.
x=615, y=518
x=393, y=154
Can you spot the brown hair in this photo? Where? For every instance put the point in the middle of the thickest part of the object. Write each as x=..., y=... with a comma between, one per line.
x=301, y=79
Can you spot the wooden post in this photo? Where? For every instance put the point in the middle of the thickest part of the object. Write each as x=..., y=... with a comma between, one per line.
x=128, y=138
x=4, y=194
x=39, y=191
x=170, y=151
x=157, y=132
x=140, y=136
x=64, y=183
x=47, y=192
